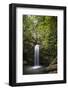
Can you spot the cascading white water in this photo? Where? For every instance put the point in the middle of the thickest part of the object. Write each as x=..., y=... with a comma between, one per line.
x=36, y=55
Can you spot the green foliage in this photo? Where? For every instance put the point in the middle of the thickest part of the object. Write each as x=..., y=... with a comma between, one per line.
x=41, y=30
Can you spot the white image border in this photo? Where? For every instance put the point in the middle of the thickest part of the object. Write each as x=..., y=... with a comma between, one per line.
x=20, y=78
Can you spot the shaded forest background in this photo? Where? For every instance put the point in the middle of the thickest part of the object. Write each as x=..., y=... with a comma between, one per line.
x=40, y=30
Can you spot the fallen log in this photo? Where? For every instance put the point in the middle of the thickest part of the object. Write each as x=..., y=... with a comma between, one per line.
x=51, y=67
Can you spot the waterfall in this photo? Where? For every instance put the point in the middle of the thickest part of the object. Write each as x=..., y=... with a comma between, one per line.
x=36, y=55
